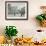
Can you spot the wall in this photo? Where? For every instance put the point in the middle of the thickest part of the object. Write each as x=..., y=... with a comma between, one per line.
x=25, y=27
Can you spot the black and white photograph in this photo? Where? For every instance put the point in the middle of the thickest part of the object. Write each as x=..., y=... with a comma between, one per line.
x=16, y=10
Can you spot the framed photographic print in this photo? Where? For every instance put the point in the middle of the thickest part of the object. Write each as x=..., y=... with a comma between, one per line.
x=16, y=10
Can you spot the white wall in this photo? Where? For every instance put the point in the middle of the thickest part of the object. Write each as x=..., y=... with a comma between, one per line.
x=25, y=27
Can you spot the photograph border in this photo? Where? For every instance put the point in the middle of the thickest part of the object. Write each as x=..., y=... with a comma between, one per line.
x=17, y=2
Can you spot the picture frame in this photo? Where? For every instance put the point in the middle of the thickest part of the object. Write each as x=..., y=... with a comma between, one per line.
x=16, y=10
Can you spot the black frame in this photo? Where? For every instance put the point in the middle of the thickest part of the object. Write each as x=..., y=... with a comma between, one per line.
x=17, y=2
